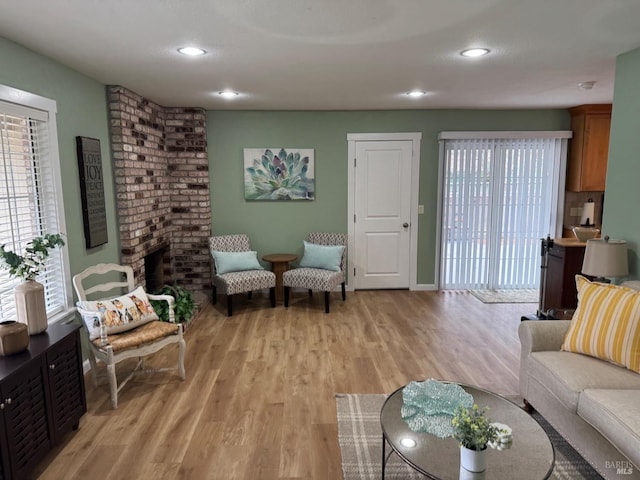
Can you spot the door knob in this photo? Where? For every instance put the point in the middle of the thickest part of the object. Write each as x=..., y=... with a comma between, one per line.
x=405, y=225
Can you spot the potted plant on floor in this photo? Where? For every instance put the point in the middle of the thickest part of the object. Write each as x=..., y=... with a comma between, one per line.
x=184, y=306
x=473, y=431
x=29, y=295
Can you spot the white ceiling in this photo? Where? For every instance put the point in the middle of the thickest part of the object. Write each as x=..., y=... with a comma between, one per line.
x=337, y=54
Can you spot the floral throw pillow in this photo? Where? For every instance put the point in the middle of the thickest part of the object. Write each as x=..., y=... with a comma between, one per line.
x=119, y=314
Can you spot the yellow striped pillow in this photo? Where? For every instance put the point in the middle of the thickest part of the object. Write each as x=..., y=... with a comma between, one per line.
x=606, y=323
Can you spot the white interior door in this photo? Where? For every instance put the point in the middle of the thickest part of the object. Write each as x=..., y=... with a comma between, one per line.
x=382, y=214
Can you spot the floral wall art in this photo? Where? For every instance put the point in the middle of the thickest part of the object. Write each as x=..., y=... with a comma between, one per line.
x=279, y=174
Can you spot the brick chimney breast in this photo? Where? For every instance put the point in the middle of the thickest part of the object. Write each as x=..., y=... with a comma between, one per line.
x=161, y=170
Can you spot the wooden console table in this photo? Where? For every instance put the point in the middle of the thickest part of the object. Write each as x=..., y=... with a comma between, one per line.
x=279, y=265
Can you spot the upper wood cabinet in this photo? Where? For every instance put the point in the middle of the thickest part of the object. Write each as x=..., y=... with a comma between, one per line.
x=589, y=148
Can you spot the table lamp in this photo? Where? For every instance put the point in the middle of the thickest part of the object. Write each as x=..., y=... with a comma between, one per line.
x=605, y=258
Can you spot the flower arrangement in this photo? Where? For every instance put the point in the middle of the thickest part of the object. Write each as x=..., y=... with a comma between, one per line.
x=472, y=429
x=28, y=266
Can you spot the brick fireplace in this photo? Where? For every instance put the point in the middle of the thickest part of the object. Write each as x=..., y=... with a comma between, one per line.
x=161, y=172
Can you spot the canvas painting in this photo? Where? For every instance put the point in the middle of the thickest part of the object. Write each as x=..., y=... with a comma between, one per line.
x=279, y=174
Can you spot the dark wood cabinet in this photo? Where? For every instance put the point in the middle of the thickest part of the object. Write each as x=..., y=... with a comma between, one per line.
x=564, y=261
x=42, y=397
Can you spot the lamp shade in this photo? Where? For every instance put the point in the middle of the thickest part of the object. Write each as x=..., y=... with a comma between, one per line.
x=605, y=258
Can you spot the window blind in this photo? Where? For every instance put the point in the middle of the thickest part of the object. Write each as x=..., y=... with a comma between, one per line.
x=28, y=201
x=499, y=197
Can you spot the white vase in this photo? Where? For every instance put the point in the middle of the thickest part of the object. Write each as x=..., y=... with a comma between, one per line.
x=30, y=306
x=473, y=460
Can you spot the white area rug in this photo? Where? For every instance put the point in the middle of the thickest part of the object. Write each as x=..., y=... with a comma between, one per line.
x=525, y=295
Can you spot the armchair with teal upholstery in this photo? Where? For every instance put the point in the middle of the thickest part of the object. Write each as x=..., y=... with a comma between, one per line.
x=318, y=273
x=235, y=269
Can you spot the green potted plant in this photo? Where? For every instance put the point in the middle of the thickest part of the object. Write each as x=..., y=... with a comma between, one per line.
x=29, y=295
x=474, y=431
x=184, y=305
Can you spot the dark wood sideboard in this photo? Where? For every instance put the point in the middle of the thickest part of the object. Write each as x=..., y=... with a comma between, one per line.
x=42, y=397
x=564, y=261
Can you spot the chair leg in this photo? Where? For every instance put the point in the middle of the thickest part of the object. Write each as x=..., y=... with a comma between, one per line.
x=286, y=296
x=229, y=306
x=182, y=346
x=272, y=296
x=214, y=295
x=344, y=293
x=249, y=294
x=326, y=302
x=94, y=371
x=113, y=385
x=310, y=292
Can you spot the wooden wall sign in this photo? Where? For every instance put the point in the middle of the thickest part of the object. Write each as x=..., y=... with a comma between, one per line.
x=94, y=214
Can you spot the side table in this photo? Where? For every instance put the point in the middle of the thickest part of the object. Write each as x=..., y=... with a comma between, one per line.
x=279, y=265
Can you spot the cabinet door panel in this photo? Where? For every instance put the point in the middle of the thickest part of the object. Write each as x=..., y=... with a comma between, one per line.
x=596, y=152
x=66, y=384
x=25, y=417
x=589, y=148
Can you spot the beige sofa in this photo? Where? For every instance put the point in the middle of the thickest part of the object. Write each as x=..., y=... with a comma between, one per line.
x=592, y=403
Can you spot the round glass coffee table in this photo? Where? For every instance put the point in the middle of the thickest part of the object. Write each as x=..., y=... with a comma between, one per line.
x=530, y=457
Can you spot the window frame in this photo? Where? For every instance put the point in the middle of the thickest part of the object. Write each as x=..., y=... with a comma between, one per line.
x=30, y=100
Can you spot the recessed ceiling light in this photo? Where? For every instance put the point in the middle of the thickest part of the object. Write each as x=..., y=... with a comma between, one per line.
x=416, y=93
x=192, y=51
x=587, y=85
x=474, y=52
x=228, y=94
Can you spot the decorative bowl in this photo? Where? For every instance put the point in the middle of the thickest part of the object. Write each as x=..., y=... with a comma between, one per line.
x=585, y=233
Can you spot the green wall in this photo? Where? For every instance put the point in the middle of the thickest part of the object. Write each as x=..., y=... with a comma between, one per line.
x=622, y=195
x=82, y=110
x=281, y=226
x=276, y=226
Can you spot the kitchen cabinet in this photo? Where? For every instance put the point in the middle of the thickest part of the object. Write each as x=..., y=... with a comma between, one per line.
x=564, y=261
x=589, y=148
x=42, y=397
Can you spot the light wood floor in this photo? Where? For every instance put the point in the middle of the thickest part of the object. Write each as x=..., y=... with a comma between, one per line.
x=258, y=401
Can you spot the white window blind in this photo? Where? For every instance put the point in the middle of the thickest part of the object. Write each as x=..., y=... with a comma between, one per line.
x=29, y=203
x=501, y=193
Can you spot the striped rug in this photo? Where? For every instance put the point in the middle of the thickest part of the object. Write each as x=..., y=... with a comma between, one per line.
x=360, y=439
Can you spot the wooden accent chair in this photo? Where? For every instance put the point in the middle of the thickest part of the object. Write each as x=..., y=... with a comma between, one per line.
x=308, y=276
x=125, y=326
x=242, y=273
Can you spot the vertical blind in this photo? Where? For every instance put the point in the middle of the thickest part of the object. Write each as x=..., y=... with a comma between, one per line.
x=28, y=202
x=499, y=197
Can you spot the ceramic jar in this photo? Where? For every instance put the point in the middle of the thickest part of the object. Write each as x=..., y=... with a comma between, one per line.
x=14, y=337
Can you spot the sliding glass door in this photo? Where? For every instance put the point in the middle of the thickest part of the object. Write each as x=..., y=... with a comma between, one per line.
x=499, y=196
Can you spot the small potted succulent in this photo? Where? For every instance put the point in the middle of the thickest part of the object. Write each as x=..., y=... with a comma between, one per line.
x=29, y=295
x=474, y=432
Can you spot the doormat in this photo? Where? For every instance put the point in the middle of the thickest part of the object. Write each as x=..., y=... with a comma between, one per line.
x=522, y=295
x=360, y=439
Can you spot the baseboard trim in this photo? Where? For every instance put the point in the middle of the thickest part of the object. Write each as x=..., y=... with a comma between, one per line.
x=427, y=287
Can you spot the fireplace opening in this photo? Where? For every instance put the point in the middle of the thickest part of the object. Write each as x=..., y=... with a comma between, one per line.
x=157, y=268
